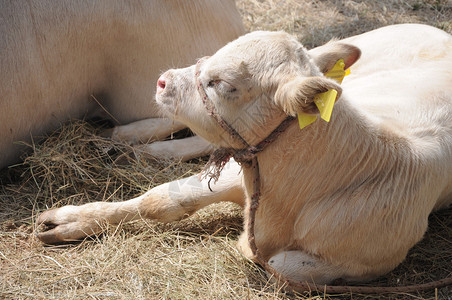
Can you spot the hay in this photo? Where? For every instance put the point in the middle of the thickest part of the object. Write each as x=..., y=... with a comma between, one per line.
x=194, y=258
x=317, y=22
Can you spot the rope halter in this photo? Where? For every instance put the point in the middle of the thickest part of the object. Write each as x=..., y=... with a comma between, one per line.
x=221, y=156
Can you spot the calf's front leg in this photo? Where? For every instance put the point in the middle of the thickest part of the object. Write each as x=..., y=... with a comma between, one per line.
x=168, y=202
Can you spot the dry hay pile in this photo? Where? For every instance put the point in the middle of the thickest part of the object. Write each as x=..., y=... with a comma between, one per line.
x=195, y=258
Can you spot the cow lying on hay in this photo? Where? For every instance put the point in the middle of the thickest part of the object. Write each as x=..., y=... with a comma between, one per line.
x=69, y=59
x=345, y=199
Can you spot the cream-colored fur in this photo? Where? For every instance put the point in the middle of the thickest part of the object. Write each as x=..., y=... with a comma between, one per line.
x=345, y=199
x=56, y=54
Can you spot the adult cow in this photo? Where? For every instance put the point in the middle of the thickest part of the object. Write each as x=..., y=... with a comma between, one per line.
x=69, y=59
x=345, y=199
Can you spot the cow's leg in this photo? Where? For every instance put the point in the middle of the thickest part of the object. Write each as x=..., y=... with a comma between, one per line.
x=144, y=131
x=165, y=203
x=302, y=267
x=183, y=149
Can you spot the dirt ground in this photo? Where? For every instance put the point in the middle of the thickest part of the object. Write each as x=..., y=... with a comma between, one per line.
x=195, y=258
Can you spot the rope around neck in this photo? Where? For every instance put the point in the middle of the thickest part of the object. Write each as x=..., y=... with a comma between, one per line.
x=247, y=158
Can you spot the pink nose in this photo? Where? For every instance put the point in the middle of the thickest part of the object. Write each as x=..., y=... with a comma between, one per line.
x=161, y=84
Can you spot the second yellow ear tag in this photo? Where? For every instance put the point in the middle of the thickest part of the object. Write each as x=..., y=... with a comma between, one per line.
x=337, y=72
x=325, y=101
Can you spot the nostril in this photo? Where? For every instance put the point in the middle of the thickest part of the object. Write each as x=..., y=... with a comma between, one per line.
x=161, y=84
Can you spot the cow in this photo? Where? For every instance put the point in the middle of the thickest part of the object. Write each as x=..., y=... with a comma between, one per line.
x=345, y=199
x=62, y=60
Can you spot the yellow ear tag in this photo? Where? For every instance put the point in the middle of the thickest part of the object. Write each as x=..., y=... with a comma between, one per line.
x=305, y=119
x=325, y=101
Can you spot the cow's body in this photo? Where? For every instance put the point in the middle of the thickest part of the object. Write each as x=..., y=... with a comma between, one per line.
x=56, y=54
x=345, y=199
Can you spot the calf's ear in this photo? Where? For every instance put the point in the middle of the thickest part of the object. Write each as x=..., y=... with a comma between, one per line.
x=326, y=56
x=297, y=94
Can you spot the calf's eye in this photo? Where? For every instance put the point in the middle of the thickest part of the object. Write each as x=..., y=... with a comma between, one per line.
x=221, y=86
x=213, y=83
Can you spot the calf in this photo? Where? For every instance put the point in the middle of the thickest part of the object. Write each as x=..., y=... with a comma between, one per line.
x=345, y=199
x=69, y=59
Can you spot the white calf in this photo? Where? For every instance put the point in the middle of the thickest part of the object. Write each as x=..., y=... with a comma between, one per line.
x=345, y=199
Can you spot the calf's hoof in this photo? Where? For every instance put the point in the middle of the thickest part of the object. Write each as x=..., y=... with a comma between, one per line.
x=65, y=224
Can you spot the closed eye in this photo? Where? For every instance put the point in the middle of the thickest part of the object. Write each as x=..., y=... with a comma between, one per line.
x=213, y=83
x=222, y=86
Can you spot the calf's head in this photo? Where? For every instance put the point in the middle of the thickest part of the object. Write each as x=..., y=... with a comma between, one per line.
x=253, y=82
